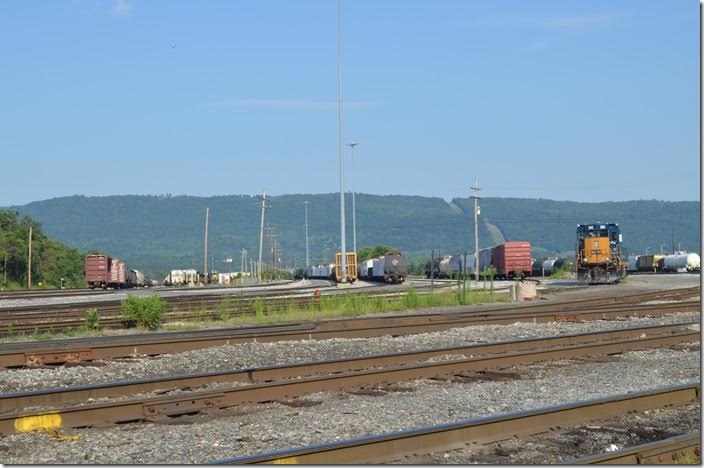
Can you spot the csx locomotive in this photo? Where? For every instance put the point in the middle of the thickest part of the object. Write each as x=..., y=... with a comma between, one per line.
x=600, y=256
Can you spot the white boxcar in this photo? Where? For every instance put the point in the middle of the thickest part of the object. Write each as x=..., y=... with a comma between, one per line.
x=378, y=267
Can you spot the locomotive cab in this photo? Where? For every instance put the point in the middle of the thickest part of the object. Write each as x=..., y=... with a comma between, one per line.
x=600, y=254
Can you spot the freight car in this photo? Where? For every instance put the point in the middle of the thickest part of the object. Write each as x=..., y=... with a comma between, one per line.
x=326, y=272
x=681, y=262
x=508, y=260
x=189, y=277
x=547, y=266
x=350, y=267
x=599, y=253
x=388, y=268
x=678, y=262
x=106, y=272
x=652, y=263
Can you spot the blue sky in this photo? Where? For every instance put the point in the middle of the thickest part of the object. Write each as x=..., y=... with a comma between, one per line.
x=568, y=100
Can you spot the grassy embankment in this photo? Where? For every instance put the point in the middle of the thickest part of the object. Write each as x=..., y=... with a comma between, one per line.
x=340, y=306
x=326, y=307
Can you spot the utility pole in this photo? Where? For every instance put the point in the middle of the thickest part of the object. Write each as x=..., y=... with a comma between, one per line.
x=242, y=262
x=354, y=210
x=205, y=267
x=432, y=273
x=673, y=239
x=306, y=203
x=464, y=278
x=29, y=262
x=343, y=275
x=261, y=236
x=476, y=189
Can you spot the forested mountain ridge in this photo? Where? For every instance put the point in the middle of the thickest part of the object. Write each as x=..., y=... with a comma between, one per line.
x=158, y=233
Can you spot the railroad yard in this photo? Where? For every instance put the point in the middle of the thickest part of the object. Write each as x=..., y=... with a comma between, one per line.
x=242, y=233
x=459, y=381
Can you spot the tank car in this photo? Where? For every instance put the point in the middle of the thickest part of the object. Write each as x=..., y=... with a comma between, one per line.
x=681, y=262
x=599, y=253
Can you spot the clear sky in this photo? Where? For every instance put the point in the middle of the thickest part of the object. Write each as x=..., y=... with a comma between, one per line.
x=568, y=100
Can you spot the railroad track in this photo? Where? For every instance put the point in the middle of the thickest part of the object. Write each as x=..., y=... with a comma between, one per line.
x=662, y=452
x=259, y=385
x=38, y=318
x=20, y=354
x=397, y=446
x=44, y=293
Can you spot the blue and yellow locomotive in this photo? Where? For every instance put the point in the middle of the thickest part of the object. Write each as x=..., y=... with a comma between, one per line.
x=600, y=254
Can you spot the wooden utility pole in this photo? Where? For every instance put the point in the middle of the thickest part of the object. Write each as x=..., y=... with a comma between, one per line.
x=261, y=236
x=205, y=267
x=476, y=189
x=29, y=262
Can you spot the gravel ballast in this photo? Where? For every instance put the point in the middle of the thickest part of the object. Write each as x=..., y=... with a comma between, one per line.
x=324, y=417
x=576, y=442
x=288, y=352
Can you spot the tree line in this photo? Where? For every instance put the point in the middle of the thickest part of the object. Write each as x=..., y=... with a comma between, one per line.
x=51, y=260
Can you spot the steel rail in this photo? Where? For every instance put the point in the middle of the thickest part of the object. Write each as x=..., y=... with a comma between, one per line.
x=86, y=349
x=139, y=409
x=395, y=446
x=662, y=452
x=64, y=395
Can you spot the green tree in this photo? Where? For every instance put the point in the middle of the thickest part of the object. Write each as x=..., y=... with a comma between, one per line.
x=365, y=253
x=51, y=260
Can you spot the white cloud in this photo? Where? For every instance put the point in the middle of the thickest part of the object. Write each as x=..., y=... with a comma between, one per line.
x=549, y=22
x=289, y=104
x=121, y=8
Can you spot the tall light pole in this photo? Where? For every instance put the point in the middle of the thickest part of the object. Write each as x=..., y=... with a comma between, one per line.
x=306, y=203
x=354, y=210
x=261, y=236
x=476, y=189
x=343, y=273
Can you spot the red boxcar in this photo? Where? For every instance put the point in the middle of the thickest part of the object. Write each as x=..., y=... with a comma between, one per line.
x=105, y=272
x=98, y=271
x=118, y=271
x=510, y=258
